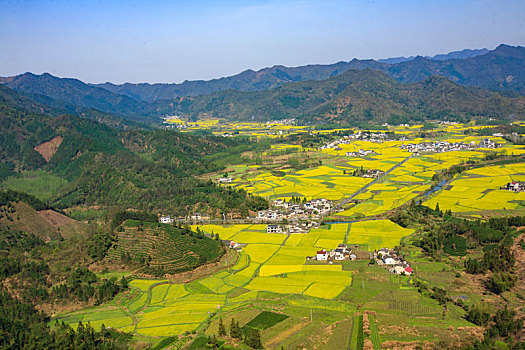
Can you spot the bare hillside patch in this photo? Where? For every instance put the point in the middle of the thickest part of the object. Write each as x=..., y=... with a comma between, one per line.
x=49, y=148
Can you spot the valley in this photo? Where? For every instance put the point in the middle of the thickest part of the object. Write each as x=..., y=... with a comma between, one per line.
x=360, y=205
x=351, y=302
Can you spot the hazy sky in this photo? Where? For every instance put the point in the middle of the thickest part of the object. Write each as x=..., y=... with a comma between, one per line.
x=171, y=41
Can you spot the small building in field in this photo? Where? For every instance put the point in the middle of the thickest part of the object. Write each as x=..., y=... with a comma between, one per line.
x=515, y=186
x=224, y=180
x=196, y=216
x=280, y=203
x=274, y=228
x=234, y=245
x=322, y=255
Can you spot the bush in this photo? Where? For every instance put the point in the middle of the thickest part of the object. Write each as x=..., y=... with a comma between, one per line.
x=501, y=282
x=456, y=246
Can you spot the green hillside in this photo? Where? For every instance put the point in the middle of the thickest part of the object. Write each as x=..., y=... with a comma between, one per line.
x=161, y=248
x=99, y=165
x=365, y=95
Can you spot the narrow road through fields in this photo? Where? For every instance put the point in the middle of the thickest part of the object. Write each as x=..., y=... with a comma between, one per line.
x=362, y=189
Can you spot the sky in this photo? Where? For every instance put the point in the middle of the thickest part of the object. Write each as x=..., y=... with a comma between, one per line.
x=172, y=41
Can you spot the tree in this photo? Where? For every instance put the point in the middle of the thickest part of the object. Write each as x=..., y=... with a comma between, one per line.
x=505, y=323
x=478, y=316
x=222, y=329
x=254, y=339
x=235, y=329
x=501, y=282
x=124, y=282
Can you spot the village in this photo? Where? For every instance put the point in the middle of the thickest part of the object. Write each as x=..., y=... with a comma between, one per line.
x=295, y=217
x=445, y=146
x=359, y=135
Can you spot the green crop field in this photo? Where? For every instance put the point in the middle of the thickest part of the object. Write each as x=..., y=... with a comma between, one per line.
x=265, y=320
x=38, y=183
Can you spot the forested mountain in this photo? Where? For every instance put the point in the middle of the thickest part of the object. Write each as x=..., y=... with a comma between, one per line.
x=102, y=165
x=248, y=80
x=356, y=95
x=73, y=94
x=500, y=69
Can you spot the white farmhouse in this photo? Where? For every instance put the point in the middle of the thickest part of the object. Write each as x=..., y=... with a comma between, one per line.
x=274, y=229
x=166, y=220
x=390, y=261
x=322, y=255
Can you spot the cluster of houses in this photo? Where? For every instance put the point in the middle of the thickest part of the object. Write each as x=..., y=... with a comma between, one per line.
x=359, y=135
x=300, y=216
x=293, y=227
x=168, y=124
x=515, y=186
x=361, y=153
x=445, y=146
x=167, y=219
x=311, y=209
x=288, y=121
x=338, y=254
x=389, y=258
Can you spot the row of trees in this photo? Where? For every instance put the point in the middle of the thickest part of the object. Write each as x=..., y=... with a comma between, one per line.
x=250, y=336
x=23, y=327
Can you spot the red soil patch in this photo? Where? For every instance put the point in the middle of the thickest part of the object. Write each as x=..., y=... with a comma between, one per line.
x=48, y=149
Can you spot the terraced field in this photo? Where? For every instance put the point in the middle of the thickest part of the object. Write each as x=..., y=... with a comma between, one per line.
x=163, y=246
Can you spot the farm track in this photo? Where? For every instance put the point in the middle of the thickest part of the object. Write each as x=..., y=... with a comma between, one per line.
x=362, y=189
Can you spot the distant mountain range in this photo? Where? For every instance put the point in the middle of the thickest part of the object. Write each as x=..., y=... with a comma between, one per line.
x=454, y=55
x=355, y=95
x=501, y=70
